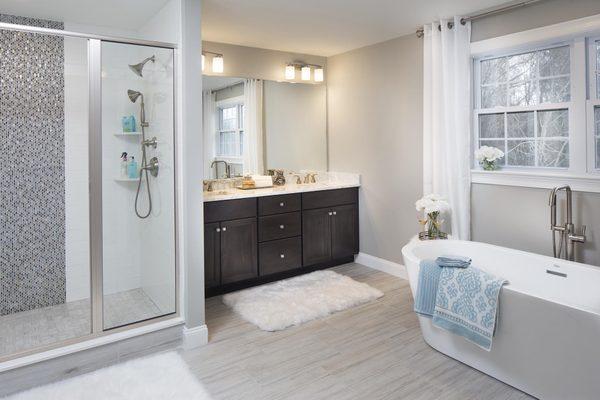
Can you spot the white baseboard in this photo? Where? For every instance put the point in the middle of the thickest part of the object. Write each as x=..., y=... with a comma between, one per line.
x=195, y=337
x=380, y=264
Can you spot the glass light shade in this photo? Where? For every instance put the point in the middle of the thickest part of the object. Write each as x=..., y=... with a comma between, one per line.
x=318, y=74
x=290, y=72
x=203, y=61
x=305, y=73
x=217, y=64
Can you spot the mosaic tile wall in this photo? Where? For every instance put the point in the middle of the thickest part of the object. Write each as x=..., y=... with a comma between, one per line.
x=32, y=176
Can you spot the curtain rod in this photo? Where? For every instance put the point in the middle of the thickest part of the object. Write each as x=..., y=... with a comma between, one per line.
x=420, y=32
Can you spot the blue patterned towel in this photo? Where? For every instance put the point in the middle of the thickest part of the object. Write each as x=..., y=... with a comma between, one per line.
x=453, y=261
x=467, y=304
x=429, y=276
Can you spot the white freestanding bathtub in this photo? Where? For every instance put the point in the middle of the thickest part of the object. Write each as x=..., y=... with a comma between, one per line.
x=547, y=341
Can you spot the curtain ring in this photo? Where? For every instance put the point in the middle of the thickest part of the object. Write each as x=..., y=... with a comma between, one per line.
x=450, y=25
x=463, y=21
x=440, y=27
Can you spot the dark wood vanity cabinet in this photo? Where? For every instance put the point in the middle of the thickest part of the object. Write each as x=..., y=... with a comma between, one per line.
x=330, y=232
x=257, y=240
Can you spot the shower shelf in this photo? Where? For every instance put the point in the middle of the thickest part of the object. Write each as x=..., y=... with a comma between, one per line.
x=132, y=134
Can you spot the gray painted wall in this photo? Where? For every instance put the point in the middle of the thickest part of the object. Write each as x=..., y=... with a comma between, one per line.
x=374, y=103
x=495, y=218
x=375, y=129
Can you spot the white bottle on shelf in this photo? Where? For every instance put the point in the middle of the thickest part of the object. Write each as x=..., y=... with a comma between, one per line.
x=123, y=169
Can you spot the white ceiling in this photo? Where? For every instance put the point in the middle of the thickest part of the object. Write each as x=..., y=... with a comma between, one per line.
x=323, y=27
x=123, y=14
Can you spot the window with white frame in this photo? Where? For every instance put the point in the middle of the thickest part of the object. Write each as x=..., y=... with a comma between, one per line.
x=594, y=52
x=523, y=104
x=230, y=130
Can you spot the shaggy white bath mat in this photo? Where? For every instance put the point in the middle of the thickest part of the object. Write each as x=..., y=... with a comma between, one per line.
x=160, y=377
x=278, y=305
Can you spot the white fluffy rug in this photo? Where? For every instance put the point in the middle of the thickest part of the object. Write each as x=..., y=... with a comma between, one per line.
x=163, y=376
x=278, y=305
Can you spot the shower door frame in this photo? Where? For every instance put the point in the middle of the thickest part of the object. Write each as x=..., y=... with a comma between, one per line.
x=94, y=53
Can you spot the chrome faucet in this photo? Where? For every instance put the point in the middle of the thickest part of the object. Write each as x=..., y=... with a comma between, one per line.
x=227, y=168
x=568, y=237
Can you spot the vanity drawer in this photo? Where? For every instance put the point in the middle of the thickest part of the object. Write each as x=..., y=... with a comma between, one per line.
x=226, y=210
x=279, y=204
x=279, y=255
x=329, y=198
x=279, y=226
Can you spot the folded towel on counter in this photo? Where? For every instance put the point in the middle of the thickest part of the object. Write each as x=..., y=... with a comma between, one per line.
x=466, y=304
x=429, y=277
x=262, y=180
x=453, y=261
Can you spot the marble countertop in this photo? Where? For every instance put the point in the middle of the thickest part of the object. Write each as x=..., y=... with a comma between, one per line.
x=233, y=193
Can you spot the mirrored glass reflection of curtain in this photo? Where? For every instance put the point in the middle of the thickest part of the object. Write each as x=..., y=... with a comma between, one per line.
x=253, y=127
x=446, y=118
x=209, y=129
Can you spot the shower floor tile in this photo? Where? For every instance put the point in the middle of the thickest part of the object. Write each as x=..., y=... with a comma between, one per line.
x=43, y=326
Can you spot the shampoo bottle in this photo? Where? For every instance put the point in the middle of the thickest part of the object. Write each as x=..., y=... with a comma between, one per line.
x=123, y=170
x=132, y=168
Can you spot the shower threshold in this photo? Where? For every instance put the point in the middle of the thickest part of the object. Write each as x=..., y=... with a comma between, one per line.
x=27, y=330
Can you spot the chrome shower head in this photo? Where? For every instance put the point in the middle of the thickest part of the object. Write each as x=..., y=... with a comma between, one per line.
x=133, y=95
x=139, y=67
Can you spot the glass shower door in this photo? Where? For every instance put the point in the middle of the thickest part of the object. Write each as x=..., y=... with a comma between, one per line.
x=138, y=184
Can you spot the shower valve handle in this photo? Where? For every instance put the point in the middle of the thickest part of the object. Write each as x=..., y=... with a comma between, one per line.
x=150, y=142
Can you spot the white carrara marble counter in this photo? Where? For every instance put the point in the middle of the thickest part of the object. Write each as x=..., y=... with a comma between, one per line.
x=333, y=181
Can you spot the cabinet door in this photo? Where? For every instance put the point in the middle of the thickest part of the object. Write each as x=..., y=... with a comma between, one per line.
x=316, y=236
x=239, y=243
x=344, y=232
x=212, y=255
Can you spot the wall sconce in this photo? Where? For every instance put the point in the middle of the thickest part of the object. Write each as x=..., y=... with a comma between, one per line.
x=290, y=71
x=305, y=71
x=217, y=62
x=318, y=74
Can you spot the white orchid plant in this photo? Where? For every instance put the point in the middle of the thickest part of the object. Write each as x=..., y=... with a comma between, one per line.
x=488, y=156
x=433, y=206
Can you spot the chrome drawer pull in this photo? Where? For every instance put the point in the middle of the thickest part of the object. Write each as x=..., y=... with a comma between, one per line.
x=281, y=227
x=218, y=229
x=335, y=213
x=330, y=213
x=282, y=255
x=281, y=204
x=224, y=229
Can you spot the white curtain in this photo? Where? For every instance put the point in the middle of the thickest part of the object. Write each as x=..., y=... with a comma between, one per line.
x=209, y=129
x=446, y=118
x=253, y=127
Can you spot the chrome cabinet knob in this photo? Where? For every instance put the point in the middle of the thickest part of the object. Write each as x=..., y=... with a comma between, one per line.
x=282, y=255
x=281, y=226
x=335, y=213
x=224, y=229
x=330, y=213
x=218, y=229
x=281, y=204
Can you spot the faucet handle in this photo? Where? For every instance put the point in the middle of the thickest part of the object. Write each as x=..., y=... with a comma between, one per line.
x=583, y=229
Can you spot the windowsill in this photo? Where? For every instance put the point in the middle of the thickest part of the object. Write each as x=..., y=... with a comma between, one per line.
x=542, y=180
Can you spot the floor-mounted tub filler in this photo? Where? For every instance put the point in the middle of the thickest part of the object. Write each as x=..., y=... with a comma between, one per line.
x=546, y=340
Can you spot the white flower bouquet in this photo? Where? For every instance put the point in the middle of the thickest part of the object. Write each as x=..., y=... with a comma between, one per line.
x=488, y=156
x=433, y=206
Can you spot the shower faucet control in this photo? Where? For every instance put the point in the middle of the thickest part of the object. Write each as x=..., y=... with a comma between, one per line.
x=152, y=167
x=151, y=142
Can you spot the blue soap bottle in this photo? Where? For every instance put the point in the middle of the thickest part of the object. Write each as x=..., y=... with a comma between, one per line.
x=132, y=168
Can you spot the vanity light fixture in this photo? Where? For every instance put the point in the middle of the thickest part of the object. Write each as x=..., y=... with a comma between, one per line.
x=217, y=64
x=318, y=74
x=305, y=73
x=217, y=61
x=290, y=71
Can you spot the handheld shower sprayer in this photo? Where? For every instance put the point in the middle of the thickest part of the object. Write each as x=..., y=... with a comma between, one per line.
x=146, y=166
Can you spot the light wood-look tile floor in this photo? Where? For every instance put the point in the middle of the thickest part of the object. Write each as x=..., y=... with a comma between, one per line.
x=370, y=352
